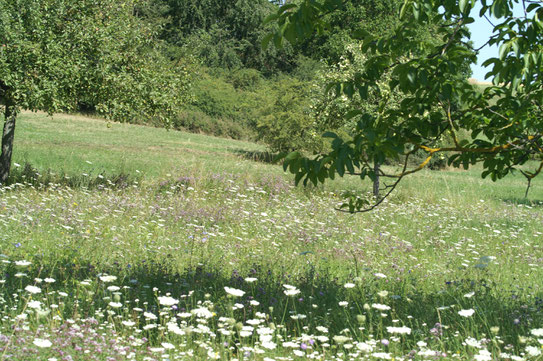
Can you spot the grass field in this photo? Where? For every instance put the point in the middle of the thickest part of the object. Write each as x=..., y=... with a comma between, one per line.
x=154, y=245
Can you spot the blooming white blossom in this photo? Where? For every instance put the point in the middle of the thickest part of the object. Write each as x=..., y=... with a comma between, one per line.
x=364, y=347
x=470, y=341
x=32, y=289
x=483, y=355
x=115, y=304
x=382, y=355
x=234, y=292
x=23, y=263
x=349, y=285
x=237, y=306
x=149, y=316
x=533, y=351
x=466, y=313
x=343, y=303
x=167, y=301
x=40, y=342
x=291, y=290
x=202, y=312
x=537, y=332
x=34, y=304
x=269, y=345
x=380, y=307
x=400, y=330
x=251, y=279
x=108, y=279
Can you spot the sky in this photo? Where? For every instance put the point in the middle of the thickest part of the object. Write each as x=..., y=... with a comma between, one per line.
x=481, y=30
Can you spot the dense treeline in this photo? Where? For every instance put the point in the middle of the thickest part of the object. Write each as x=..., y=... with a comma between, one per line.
x=243, y=90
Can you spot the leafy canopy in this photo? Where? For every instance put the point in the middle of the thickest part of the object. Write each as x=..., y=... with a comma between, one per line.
x=57, y=54
x=438, y=100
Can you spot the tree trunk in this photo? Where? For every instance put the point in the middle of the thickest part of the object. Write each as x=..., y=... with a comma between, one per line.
x=376, y=168
x=10, y=116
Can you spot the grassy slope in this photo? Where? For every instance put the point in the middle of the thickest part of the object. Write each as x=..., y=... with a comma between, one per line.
x=65, y=143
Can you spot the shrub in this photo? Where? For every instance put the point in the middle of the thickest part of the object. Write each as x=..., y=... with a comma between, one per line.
x=287, y=123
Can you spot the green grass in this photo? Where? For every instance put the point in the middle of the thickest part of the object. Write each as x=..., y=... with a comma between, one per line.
x=193, y=216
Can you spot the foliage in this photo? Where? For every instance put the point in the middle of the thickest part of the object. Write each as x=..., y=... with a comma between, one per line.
x=57, y=55
x=374, y=16
x=287, y=124
x=243, y=104
x=224, y=34
x=437, y=98
x=225, y=103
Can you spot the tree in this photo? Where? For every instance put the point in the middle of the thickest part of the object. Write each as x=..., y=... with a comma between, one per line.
x=58, y=54
x=503, y=121
x=224, y=33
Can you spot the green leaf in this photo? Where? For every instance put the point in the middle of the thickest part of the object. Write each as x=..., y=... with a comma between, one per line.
x=287, y=7
x=352, y=114
x=363, y=91
x=298, y=178
x=278, y=41
x=271, y=18
x=279, y=156
x=360, y=34
x=293, y=155
x=404, y=7
x=463, y=5
x=290, y=34
x=532, y=7
x=266, y=41
x=504, y=50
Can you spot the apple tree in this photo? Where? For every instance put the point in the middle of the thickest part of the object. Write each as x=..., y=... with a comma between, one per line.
x=58, y=54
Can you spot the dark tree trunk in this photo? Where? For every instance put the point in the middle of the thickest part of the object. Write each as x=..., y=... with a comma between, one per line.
x=376, y=169
x=10, y=116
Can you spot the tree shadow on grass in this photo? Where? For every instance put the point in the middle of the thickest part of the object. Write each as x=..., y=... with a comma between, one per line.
x=257, y=155
x=27, y=174
x=535, y=203
x=316, y=298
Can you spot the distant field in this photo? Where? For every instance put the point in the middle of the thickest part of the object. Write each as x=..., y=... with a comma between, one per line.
x=179, y=246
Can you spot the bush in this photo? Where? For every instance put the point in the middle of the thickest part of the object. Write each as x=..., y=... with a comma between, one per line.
x=245, y=79
x=287, y=123
x=195, y=121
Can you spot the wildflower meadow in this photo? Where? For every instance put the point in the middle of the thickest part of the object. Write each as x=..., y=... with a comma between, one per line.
x=133, y=243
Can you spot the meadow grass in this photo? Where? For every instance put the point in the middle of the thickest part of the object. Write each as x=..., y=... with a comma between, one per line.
x=148, y=245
